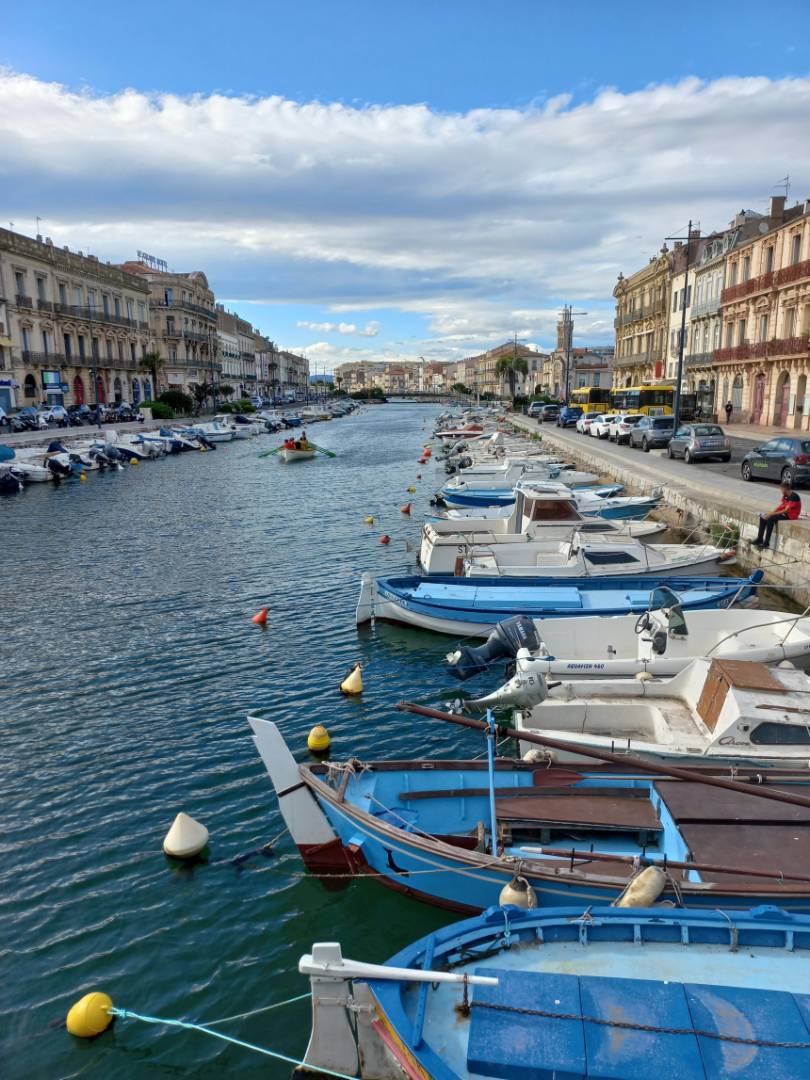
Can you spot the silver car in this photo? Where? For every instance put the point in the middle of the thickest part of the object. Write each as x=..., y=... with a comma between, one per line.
x=697, y=442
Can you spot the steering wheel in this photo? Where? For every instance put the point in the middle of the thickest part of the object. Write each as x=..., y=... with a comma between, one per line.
x=642, y=622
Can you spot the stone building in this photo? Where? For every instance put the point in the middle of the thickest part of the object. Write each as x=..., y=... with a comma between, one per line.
x=183, y=320
x=681, y=287
x=487, y=380
x=293, y=372
x=68, y=321
x=642, y=322
x=763, y=362
x=228, y=351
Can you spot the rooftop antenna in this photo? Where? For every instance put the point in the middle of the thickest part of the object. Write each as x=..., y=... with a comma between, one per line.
x=785, y=183
x=38, y=229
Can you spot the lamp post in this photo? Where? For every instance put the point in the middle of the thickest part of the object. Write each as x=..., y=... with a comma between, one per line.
x=679, y=379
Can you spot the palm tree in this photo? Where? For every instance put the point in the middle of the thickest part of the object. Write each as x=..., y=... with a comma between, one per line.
x=201, y=392
x=152, y=363
x=511, y=367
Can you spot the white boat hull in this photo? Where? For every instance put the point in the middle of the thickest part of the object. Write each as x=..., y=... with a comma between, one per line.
x=289, y=456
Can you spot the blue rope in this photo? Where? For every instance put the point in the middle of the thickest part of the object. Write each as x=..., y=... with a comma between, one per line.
x=127, y=1014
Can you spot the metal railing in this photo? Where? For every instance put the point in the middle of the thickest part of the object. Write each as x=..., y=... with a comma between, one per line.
x=747, y=288
x=23, y=301
x=706, y=307
x=701, y=359
x=795, y=346
x=792, y=273
x=185, y=305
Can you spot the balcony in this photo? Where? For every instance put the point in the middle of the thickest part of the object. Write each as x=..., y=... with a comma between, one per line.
x=651, y=356
x=747, y=288
x=185, y=305
x=782, y=347
x=23, y=301
x=91, y=314
x=706, y=307
x=700, y=359
x=45, y=305
x=42, y=359
x=792, y=273
x=643, y=312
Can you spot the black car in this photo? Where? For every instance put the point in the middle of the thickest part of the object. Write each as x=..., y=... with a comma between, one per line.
x=787, y=460
x=652, y=431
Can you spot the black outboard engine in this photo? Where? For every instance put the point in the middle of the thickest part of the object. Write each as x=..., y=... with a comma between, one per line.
x=60, y=469
x=57, y=447
x=503, y=643
x=465, y=462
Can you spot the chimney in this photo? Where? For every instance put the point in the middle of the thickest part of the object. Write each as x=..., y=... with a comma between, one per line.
x=48, y=241
x=39, y=237
x=776, y=210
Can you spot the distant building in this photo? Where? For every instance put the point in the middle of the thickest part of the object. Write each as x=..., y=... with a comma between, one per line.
x=642, y=322
x=65, y=320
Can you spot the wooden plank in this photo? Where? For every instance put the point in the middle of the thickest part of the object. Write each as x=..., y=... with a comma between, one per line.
x=601, y=812
x=518, y=793
x=771, y=848
x=748, y=675
x=700, y=804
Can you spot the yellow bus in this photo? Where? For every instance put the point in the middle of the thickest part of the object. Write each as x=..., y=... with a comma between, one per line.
x=591, y=398
x=658, y=399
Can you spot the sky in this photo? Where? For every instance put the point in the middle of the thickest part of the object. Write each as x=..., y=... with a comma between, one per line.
x=388, y=181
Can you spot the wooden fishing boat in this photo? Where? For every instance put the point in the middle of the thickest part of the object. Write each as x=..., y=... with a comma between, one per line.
x=618, y=993
x=472, y=606
x=287, y=455
x=454, y=833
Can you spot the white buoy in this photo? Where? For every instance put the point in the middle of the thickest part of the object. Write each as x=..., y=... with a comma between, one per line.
x=186, y=838
x=644, y=889
x=519, y=893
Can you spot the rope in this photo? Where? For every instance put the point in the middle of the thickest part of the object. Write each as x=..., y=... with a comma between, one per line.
x=126, y=1014
x=628, y=1025
x=255, y=1012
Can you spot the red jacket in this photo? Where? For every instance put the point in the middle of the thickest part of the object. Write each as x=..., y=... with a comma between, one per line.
x=790, y=505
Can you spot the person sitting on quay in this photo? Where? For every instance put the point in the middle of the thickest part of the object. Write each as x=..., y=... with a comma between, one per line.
x=788, y=510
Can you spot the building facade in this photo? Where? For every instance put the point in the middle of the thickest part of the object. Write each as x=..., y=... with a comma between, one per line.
x=229, y=355
x=642, y=322
x=73, y=330
x=763, y=362
x=681, y=287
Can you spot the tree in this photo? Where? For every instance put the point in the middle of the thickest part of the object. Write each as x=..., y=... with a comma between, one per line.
x=339, y=381
x=511, y=367
x=460, y=388
x=152, y=363
x=225, y=389
x=177, y=400
x=202, y=391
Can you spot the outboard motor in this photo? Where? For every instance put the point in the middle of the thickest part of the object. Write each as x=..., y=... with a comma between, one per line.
x=527, y=687
x=57, y=447
x=503, y=643
x=59, y=469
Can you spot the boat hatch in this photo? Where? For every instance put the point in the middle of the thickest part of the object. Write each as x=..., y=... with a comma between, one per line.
x=544, y=816
x=549, y=1025
x=609, y=558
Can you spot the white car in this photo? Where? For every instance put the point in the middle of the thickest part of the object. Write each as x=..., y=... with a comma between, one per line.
x=600, y=428
x=585, y=421
x=621, y=427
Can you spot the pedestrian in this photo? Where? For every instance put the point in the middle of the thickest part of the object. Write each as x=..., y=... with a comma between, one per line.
x=729, y=410
x=788, y=510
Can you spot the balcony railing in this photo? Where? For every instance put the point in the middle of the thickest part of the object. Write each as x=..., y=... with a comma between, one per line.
x=44, y=305
x=639, y=313
x=43, y=359
x=796, y=346
x=651, y=356
x=706, y=307
x=747, y=288
x=92, y=314
x=792, y=273
x=699, y=359
x=23, y=301
x=185, y=305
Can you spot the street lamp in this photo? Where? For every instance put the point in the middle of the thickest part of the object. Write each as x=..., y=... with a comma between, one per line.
x=681, y=343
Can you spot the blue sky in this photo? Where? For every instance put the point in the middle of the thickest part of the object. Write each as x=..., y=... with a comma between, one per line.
x=433, y=175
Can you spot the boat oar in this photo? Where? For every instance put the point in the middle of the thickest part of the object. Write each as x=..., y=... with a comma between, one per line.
x=269, y=453
x=321, y=449
x=626, y=761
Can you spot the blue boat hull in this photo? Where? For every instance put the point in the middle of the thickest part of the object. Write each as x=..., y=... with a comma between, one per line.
x=635, y=512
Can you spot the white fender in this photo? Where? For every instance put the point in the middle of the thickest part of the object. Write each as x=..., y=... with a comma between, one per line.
x=306, y=821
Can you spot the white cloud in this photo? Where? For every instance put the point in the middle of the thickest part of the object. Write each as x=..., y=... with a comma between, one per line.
x=371, y=329
x=483, y=223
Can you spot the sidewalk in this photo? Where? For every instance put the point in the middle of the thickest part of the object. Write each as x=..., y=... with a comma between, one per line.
x=760, y=433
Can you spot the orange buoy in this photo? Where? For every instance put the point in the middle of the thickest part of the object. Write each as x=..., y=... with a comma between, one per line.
x=422, y=461
x=385, y=539
x=260, y=618
x=406, y=509
x=428, y=452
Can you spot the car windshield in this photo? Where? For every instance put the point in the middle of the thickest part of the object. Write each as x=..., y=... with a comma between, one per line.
x=662, y=421
x=634, y=419
x=592, y=415
x=708, y=429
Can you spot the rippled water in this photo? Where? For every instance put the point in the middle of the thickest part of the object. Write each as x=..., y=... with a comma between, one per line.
x=129, y=664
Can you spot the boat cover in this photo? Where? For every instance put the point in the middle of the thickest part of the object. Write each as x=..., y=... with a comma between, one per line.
x=536, y=1025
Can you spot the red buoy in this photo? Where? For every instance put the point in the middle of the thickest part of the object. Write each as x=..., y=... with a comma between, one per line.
x=385, y=539
x=406, y=509
x=260, y=618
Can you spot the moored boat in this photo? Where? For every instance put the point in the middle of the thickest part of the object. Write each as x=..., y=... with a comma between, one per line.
x=618, y=993
x=472, y=606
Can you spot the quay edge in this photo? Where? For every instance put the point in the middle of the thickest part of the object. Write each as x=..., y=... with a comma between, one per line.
x=701, y=499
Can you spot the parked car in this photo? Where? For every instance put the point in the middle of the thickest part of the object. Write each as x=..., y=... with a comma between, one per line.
x=600, y=428
x=534, y=409
x=549, y=413
x=787, y=460
x=568, y=415
x=698, y=442
x=652, y=431
x=623, y=424
x=584, y=423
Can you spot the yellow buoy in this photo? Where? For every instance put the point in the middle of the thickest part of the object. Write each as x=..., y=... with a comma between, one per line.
x=353, y=683
x=369, y=521
x=133, y=461
x=90, y=1016
x=412, y=490
x=318, y=739
x=186, y=838
x=82, y=477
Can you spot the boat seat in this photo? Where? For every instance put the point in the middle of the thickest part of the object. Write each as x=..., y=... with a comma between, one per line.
x=522, y=1045
x=552, y=814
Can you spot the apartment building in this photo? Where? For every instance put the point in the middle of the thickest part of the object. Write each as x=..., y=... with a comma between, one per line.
x=73, y=330
x=183, y=324
x=642, y=321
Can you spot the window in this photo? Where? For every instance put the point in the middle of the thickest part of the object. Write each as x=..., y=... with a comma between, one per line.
x=675, y=301
x=63, y=294
x=769, y=259
x=40, y=288
x=67, y=345
x=26, y=339
x=105, y=303
x=91, y=299
x=130, y=310
x=795, y=250
x=121, y=351
x=19, y=283
x=746, y=268
x=142, y=311
x=790, y=322
x=729, y=335
x=716, y=336
x=167, y=297
x=109, y=349
x=688, y=295
x=117, y=307
x=771, y=734
x=732, y=274
x=46, y=342
x=763, y=328
x=77, y=295
x=132, y=351
x=80, y=341
x=741, y=332
x=94, y=348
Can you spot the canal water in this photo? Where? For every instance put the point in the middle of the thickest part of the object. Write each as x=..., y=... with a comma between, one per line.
x=129, y=663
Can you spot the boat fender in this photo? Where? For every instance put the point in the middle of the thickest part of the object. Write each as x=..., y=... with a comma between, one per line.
x=369, y=520
x=644, y=889
x=385, y=539
x=90, y=1015
x=519, y=893
x=643, y=676
x=537, y=756
x=186, y=838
